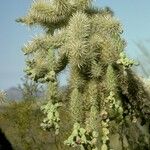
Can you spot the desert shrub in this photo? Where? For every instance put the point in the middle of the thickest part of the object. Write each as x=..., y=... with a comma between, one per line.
x=21, y=124
x=21, y=121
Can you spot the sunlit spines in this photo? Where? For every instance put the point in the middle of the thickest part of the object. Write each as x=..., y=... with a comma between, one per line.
x=61, y=62
x=111, y=79
x=51, y=109
x=92, y=117
x=59, y=38
x=46, y=12
x=105, y=48
x=93, y=120
x=106, y=36
x=106, y=23
x=77, y=79
x=76, y=106
x=77, y=38
x=44, y=42
x=113, y=100
x=81, y=4
x=96, y=69
x=93, y=93
x=36, y=67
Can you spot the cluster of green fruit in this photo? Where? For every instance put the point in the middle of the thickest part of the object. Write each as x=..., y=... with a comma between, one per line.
x=52, y=120
x=83, y=138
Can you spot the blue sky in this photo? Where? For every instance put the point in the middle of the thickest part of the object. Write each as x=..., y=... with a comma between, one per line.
x=134, y=16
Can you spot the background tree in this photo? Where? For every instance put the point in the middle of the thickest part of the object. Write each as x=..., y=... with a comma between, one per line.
x=106, y=99
x=30, y=89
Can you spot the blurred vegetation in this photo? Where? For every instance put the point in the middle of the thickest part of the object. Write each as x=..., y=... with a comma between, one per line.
x=21, y=124
x=144, y=58
x=20, y=121
x=30, y=89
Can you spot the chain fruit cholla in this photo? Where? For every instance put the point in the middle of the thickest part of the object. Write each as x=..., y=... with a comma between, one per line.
x=105, y=94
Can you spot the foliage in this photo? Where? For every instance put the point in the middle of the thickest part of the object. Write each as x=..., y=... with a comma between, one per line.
x=102, y=85
x=127, y=63
x=30, y=90
x=20, y=122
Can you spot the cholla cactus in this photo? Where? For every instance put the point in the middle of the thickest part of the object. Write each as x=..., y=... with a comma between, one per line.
x=88, y=41
x=115, y=107
x=83, y=138
x=125, y=61
x=52, y=119
x=2, y=96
